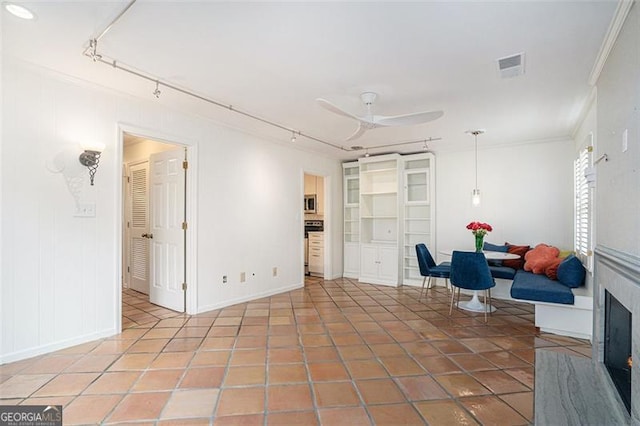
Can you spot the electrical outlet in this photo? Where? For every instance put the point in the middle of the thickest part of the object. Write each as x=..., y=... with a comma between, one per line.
x=243, y=277
x=275, y=271
x=224, y=279
x=86, y=210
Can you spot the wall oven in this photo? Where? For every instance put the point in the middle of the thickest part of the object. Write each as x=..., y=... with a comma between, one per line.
x=310, y=204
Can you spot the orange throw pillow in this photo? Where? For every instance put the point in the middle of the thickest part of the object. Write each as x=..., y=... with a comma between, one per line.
x=540, y=257
x=552, y=269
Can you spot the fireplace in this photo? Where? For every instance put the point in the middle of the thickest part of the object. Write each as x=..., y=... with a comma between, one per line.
x=617, y=346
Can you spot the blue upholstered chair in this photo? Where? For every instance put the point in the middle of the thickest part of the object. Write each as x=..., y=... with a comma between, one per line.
x=470, y=270
x=429, y=269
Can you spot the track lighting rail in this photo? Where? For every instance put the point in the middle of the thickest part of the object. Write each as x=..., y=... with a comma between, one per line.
x=91, y=51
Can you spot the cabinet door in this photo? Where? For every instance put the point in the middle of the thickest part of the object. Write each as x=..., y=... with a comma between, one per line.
x=416, y=185
x=388, y=266
x=369, y=261
x=309, y=184
x=351, y=190
x=351, y=260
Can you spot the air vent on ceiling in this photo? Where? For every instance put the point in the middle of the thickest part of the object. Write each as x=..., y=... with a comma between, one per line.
x=511, y=66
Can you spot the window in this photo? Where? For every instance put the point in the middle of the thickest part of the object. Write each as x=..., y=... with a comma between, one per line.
x=583, y=205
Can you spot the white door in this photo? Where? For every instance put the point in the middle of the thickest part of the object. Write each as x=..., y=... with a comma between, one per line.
x=369, y=261
x=139, y=227
x=166, y=236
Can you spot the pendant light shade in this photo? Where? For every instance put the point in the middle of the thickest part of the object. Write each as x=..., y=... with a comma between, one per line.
x=475, y=197
x=475, y=194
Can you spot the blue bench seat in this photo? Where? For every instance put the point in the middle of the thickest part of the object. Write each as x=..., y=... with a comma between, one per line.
x=539, y=288
x=502, y=272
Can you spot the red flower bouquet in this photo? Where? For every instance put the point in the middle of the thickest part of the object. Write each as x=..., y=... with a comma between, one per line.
x=479, y=230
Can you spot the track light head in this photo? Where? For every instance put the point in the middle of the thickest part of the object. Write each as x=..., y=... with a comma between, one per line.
x=293, y=136
x=93, y=52
x=157, y=92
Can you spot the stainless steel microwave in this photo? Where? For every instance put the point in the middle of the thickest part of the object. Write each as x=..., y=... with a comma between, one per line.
x=310, y=204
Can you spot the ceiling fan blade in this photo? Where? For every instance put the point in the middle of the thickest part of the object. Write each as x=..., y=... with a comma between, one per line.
x=359, y=132
x=334, y=108
x=407, y=119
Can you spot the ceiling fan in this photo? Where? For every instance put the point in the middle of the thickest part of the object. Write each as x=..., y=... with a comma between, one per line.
x=371, y=121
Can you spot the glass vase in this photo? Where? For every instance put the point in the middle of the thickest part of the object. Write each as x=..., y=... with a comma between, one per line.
x=479, y=243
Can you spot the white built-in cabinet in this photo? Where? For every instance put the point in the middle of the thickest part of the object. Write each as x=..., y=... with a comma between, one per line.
x=379, y=219
x=419, y=212
x=351, y=191
x=388, y=209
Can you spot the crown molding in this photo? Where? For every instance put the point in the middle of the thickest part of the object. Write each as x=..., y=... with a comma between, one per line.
x=615, y=26
x=591, y=99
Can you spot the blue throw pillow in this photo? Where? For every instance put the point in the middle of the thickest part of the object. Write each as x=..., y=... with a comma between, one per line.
x=494, y=247
x=571, y=272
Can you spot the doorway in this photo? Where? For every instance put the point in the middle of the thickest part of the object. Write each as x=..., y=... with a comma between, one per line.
x=154, y=200
x=314, y=225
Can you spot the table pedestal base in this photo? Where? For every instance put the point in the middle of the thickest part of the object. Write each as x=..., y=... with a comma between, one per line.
x=474, y=305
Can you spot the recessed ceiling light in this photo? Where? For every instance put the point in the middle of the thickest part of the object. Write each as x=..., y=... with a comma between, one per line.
x=19, y=11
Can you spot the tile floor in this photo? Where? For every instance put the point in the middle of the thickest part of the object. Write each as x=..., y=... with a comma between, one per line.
x=136, y=309
x=336, y=352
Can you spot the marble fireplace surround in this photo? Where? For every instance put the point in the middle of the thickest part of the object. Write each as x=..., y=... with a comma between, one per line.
x=576, y=390
x=618, y=273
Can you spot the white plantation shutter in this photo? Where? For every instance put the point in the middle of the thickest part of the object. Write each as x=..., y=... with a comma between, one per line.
x=582, y=208
x=139, y=202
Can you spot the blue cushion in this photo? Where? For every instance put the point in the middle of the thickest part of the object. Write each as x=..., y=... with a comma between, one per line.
x=502, y=272
x=539, y=288
x=571, y=272
x=495, y=247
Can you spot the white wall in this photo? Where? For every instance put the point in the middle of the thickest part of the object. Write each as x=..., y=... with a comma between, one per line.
x=60, y=274
x=618, y=197
x=140, y=151
x=527, y=194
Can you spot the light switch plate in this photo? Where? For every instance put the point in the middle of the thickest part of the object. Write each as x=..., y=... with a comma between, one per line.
x=625, y=140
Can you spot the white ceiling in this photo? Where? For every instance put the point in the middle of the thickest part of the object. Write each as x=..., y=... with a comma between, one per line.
x=274, y=59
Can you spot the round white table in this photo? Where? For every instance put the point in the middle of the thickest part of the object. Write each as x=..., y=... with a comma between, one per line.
x=474, y=305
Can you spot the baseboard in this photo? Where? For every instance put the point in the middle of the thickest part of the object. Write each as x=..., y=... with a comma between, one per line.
x=248, y=298
x=56, y=346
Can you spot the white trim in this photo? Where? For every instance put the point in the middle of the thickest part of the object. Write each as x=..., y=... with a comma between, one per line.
x=591, y=99
x=619, y=16
x=58, y=345
x=192, y=204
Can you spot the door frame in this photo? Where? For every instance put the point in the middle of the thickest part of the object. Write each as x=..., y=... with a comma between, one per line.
x=191, y=204
x=328, y=216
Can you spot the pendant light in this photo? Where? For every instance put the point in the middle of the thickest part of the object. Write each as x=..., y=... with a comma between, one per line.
x=475, y=194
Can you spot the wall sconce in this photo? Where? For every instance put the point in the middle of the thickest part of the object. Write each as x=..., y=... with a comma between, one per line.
x=90, y=158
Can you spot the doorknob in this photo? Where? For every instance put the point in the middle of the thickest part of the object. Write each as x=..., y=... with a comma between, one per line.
x=147, y=236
